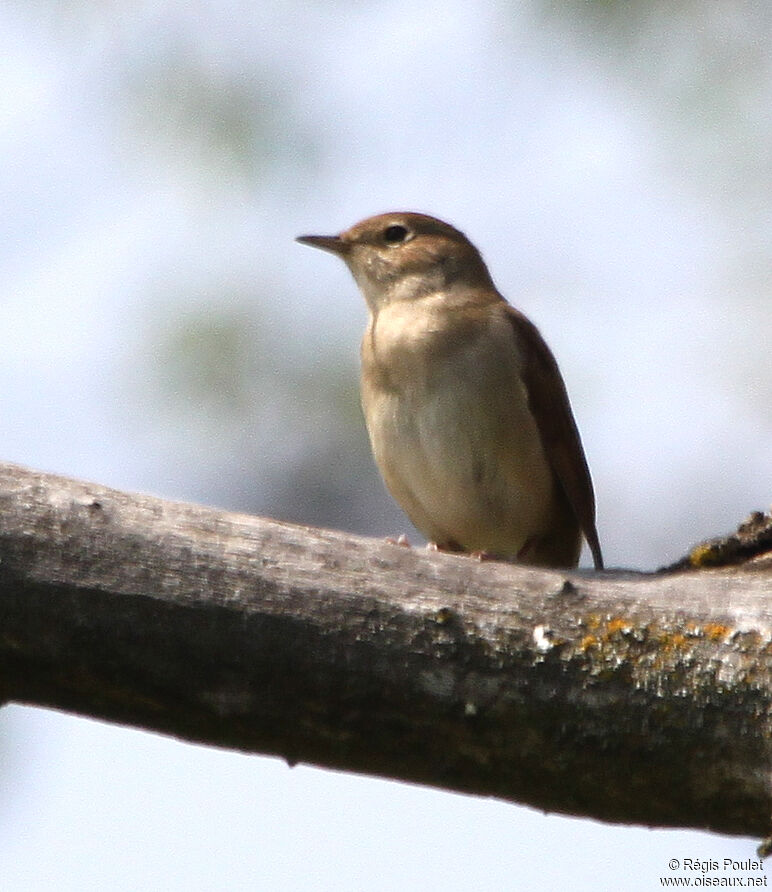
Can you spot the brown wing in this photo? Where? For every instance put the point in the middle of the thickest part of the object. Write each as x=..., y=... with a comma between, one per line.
x=549, y=404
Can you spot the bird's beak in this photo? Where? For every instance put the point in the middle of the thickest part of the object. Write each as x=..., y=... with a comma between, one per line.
x=332, y=243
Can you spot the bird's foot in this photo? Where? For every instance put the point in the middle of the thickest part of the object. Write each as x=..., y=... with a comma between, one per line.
x=450, y=546
x=400, y=540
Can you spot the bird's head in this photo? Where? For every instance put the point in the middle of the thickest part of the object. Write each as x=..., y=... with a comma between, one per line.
x=405, y=256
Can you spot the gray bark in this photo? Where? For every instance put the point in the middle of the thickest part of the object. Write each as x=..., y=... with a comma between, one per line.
x=635, y=698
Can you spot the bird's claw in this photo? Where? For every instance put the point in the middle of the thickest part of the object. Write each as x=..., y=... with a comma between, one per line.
x=400, y=540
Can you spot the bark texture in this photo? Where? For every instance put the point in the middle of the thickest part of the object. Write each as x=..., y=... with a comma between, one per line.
x=635, y=698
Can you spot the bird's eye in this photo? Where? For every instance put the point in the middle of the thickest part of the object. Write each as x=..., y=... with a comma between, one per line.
x=395, y=234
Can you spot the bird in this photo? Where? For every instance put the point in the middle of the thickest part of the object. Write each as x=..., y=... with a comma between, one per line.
x=466, y=410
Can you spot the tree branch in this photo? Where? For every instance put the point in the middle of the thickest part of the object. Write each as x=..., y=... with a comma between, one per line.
x=636, y=698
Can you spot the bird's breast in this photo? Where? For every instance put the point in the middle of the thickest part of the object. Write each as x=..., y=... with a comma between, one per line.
x=450, y=426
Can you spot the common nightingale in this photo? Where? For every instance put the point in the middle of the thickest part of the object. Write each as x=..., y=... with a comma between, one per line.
x=468, y=415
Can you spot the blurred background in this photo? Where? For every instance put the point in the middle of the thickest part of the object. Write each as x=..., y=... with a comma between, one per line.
x=160, y=331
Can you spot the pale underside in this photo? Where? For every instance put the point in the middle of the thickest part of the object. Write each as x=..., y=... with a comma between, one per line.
x=453, y=435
